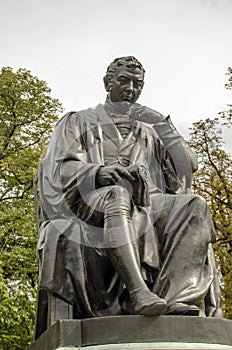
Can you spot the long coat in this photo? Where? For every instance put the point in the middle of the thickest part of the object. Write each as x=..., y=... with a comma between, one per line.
x=73, y=263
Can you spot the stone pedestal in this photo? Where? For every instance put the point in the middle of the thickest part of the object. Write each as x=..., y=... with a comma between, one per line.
x=137, y=332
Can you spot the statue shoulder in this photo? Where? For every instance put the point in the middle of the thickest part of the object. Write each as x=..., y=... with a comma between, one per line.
x=85, y=115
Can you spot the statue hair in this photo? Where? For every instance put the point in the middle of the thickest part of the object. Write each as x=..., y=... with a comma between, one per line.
x=126, y=61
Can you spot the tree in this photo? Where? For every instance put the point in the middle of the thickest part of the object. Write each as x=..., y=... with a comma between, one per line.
x=27, y=116
x=213, y=181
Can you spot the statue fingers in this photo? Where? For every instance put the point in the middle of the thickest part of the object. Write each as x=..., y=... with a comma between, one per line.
x=124, y=173
x=116, y=176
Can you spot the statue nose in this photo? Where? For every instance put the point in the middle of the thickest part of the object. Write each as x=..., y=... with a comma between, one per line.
x=130, y=86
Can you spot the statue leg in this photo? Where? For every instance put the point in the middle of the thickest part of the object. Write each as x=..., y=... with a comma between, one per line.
x=119, y=234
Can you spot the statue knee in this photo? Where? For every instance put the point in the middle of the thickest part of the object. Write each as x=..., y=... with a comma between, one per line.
x=118, y=201
x=117, y=192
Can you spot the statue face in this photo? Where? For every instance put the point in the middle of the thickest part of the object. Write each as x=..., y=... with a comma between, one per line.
x=126, y=85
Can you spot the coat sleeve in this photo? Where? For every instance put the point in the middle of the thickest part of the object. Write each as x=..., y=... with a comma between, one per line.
x=183, y=157
x=65, y=174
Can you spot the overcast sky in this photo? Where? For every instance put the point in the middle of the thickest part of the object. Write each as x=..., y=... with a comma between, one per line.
x=184, y=45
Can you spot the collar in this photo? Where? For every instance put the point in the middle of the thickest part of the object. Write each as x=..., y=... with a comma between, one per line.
x=117, y=108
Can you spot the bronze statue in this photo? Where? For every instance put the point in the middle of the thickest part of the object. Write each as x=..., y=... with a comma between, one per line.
x=120, y=232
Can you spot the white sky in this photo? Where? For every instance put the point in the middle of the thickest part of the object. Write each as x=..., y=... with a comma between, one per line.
x=184, y=45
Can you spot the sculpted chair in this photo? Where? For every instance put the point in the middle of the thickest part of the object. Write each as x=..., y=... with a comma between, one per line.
x=50, y=308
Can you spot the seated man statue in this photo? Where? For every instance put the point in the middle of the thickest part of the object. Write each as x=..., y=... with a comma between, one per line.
x=120, y=232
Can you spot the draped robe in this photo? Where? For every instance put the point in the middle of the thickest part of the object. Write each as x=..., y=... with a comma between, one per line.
x=174, y=233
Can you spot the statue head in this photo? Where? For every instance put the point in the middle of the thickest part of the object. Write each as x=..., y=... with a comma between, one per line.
x=124, y=79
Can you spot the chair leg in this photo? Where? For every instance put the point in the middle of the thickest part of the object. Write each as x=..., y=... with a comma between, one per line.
x=41, y=323
x=50, y=309
x=58, y=309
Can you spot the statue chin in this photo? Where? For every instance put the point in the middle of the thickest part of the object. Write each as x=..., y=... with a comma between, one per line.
x=121, y=107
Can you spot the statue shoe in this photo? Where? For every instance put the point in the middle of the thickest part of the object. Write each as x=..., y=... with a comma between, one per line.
x=182, y=309
x=147, y=303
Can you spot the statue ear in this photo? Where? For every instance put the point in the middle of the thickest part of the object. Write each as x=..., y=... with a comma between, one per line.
x=108, y=84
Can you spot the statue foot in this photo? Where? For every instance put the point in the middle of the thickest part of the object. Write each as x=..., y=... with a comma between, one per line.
x=182, y=309
x=146, y=303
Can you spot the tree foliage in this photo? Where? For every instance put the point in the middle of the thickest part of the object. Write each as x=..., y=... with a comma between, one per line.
x=27, y=116
x=213, y=181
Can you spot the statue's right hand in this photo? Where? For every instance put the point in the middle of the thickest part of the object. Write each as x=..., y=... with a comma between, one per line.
x=146, y=115
x=110, y=175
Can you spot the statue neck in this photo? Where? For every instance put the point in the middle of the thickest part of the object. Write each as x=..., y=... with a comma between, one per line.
x=118, y=108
